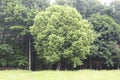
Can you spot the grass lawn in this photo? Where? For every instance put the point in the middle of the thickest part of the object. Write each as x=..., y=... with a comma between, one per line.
x=60, y=75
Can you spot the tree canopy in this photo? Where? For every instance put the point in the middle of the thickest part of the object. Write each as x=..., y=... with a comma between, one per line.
x=105, y=46
x=61, y=33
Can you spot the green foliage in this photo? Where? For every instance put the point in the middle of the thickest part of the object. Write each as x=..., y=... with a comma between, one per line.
x=14, y=23
x=85, y=7
x=104, y=46
x=36, y=4
x=11, y=56
x=61, y=33
x=16, y=14
x=116, y=10
x=64, y=2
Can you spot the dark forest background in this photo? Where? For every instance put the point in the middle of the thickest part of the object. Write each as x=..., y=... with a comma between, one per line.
x=17, y=49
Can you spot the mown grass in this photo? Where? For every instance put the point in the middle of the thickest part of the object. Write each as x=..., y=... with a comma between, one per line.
x=60, y=75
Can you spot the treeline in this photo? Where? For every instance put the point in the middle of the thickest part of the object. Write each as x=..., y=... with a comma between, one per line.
x=59, y=37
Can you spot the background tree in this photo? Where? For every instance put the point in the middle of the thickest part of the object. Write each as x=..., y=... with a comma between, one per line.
x=116, y=10
x=88, y=7
x=105, y=48
x=14, y=24
x=85, y=7
x=36, y=4
x=65, y=2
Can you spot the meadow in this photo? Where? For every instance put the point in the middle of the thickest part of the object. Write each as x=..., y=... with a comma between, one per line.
x=60, y=75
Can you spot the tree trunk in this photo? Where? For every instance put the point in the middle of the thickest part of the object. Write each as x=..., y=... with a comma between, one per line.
x=58, y=65
x=90, y=63
x=30, y=53
x=118, y=66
